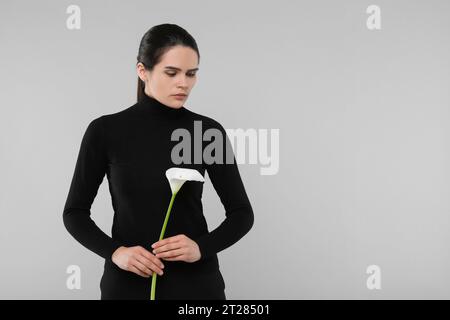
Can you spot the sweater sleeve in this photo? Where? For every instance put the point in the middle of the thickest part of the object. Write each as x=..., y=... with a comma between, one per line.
x=89, y=172
x=228, y=184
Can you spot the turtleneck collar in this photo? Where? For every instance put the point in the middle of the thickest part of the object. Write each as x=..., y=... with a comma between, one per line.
x=152, y=106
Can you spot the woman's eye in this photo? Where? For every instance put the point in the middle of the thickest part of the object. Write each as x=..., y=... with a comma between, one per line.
x=173, y=74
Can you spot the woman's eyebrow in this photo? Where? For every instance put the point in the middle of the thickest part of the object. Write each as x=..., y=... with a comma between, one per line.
x=175, y=68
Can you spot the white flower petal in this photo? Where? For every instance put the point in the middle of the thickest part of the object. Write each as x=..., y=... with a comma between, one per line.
x=178, y=176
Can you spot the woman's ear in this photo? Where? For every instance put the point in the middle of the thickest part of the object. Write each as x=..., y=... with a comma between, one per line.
x=141, y=71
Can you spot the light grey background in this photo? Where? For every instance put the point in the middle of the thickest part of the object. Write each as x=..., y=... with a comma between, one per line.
x=364, y=139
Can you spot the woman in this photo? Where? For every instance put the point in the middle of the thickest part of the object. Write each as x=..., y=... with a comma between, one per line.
x=134, y=147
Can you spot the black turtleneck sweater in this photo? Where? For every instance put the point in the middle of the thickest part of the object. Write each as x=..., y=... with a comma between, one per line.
x=133, y=148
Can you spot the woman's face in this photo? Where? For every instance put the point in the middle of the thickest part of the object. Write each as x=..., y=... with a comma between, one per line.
x=174, y=74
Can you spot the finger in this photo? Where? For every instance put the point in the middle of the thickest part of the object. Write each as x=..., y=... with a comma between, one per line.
x=177, y=258
x=167, y=247
x=149, y=264
x=167, y=240
x=137, y=271
x=145, y=253
x=142, y=267
x=150, y=260
x=171, y=253
x=142, y=263
x=151, y=257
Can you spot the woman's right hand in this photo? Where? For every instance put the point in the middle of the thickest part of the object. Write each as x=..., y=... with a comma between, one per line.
x=138, y=260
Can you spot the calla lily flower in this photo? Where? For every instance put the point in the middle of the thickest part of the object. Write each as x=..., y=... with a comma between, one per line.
x=176, y=177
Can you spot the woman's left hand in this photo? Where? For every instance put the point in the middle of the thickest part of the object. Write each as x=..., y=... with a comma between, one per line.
x=177, y=248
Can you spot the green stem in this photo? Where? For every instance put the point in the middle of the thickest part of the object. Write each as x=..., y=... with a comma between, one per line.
x=161, y=236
